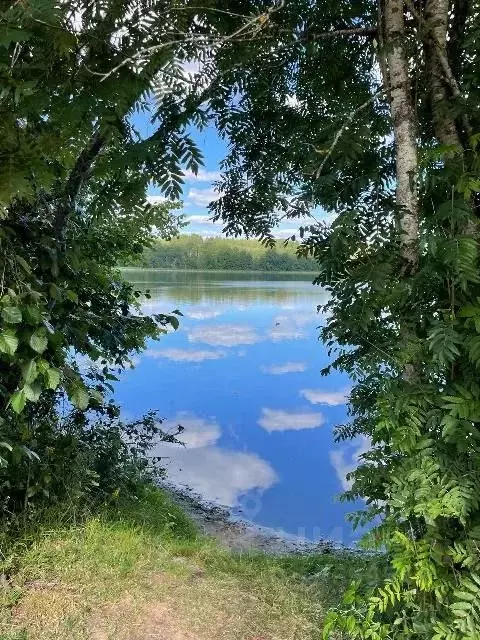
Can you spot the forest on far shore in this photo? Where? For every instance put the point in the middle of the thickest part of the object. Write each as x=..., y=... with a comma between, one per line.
x=191, y=251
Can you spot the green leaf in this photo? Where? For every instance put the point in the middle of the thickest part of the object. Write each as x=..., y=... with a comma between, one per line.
x=79, y=397
x=9, y=35
x=32, y=314
x=25, y=266
x=29, y=371
x=8, y=342
x=53, y=378
x=96, y=395
x=11, y=315
x=32, y=391
x=18, y=401
x=38, y=340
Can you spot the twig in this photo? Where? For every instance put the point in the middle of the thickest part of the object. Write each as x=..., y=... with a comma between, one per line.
x=202, y=41
x=345, y=125
x=357, y=31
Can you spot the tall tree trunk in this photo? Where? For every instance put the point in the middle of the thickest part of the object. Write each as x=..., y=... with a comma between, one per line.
x=404, y=127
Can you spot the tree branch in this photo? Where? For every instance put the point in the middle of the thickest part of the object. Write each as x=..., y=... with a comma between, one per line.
x=342, y=129
x=359, y=31
x=442, y=59
x=76, y=179
x=257, y=22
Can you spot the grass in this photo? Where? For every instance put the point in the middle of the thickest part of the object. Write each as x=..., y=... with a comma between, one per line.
x=142, y=571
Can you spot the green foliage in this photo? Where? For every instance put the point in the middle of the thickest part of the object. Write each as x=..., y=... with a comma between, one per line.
x=74, y=173
x=79, y=460
x=310, y=128
x=194, y=252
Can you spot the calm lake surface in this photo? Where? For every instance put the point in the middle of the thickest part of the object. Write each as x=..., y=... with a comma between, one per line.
x=242, y=375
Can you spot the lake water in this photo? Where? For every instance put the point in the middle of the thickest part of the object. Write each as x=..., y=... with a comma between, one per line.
x=242, y=375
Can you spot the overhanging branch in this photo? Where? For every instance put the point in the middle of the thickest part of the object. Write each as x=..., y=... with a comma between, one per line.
x=78, y=175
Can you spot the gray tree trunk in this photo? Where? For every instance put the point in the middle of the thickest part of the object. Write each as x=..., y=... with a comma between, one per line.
x=404, y=127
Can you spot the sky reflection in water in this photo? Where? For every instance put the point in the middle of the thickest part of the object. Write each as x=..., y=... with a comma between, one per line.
x=242, y=376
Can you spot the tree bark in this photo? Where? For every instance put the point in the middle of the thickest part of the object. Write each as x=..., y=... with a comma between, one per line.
x=404, y=127
x=436, y=17
x=78, y=175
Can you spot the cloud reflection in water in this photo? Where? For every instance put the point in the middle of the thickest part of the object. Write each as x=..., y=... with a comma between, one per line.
x=225, y=335
x=279, y=420
x=186, y=355
x=218, y=475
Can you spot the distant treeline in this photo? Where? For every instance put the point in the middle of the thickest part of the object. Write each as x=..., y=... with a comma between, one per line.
x=194, y=252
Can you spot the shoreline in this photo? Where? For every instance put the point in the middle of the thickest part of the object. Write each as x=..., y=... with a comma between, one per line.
x=238, y=535
x=253, y=271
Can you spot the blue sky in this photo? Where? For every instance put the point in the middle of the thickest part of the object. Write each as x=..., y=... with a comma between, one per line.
x=199, y=190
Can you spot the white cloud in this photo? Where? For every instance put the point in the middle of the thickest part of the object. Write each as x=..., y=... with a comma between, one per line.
x=225, y=335
x=284, y=332
x=202, y=314
x=218, y=475
x=279, y=420
x=201, y=219
x=191, y=67
x=156, y=199
x=288, y=367
x=202, y=197
x=345, y=460
x=185, y=355
x=283, y=234
x=202, y=176
x=332, y=398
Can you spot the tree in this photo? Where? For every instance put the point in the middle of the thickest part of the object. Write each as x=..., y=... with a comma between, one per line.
x=73, y=179
x=369, y=110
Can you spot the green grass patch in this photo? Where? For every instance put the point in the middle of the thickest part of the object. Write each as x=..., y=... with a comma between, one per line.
x=129, y=571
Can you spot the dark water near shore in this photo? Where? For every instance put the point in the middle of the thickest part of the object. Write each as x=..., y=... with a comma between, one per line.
x=242, y=375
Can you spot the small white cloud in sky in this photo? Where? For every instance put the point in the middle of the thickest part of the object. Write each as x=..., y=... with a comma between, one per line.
x=219, y=475
x=332, y=398
x=185, y=355
x=288, y=367
x=283, y=234
x=279, y=420
x=156, y=199
x=202, y=197
x=290, y=326
x=345, y=459
x=279, y=333
x=225, y=335
x=202, y=176
x=201, y=219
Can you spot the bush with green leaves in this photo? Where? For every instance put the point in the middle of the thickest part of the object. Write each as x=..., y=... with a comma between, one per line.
x=78, y=460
